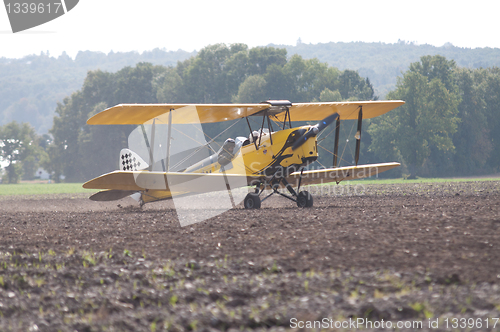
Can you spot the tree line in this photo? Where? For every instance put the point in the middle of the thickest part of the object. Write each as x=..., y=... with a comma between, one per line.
x=217, y=74
x=30, y=87
x=447, y=126
x=383, y=63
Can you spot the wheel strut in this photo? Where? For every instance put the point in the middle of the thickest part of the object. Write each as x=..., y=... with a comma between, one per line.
x=302, y=198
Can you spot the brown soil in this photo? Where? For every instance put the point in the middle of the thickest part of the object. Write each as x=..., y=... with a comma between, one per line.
x=405, y=252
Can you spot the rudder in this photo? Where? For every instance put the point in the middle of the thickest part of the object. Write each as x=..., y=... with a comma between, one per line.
x=131, y=161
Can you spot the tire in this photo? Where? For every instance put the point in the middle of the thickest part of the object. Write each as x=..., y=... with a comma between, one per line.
x=252, y=201
x=304, y=199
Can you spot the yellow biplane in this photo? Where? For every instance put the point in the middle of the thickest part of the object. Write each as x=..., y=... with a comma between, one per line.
x=265, y=159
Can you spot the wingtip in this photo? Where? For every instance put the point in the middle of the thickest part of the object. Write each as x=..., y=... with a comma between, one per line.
x=86, y=185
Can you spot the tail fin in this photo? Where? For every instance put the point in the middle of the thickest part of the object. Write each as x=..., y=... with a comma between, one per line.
x=130, y=161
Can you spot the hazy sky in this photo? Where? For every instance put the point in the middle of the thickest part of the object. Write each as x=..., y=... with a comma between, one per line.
x=127, y=25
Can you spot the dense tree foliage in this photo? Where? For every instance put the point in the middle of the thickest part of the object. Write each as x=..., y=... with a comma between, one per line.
x=218, y=74
x=20, y=150
x=383, y=63
x=221, y=74
x=31, y=87
x=79, y=151
x=447, y=126
x=428, y=119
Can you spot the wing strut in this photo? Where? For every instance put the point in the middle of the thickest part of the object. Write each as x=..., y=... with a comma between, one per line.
x=146, y=140
x=270, y=129
x=336, y=146
x=358, y=134
x=284, y=121
x=251, y=134
x=168, y=138
x=152, y=146
x=262, y=127
x=228, y=187
x=287, y=115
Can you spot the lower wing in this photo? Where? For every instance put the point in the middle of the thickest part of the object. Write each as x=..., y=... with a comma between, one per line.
x=176, y=183
x=159, y=185
x=340, y=173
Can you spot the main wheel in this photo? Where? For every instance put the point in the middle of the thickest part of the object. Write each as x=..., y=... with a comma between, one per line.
x=252, y=201
x=304, y=199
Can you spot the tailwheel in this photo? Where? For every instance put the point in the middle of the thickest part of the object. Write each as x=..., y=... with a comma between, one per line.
x=252, y=201
x=304, y=199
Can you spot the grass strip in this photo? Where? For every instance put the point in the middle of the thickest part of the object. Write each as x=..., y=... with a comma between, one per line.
x=42, y=189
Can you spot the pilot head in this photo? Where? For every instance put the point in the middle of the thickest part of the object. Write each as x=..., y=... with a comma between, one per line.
x=253, y=136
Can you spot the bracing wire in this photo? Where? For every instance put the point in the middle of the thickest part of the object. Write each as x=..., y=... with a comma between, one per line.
x=208, y=143
x=345, y=145
x=340, y=159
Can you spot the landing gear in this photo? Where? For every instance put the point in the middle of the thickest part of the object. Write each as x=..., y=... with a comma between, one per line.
x=252, y=201
x=304, y=199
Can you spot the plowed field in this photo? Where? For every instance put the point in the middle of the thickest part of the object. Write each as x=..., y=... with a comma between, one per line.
x=402, y=253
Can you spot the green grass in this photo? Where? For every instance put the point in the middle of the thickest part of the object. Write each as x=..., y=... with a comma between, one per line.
x=42, y=189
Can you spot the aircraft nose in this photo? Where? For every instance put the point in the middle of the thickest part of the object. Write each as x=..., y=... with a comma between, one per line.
x=313, y=131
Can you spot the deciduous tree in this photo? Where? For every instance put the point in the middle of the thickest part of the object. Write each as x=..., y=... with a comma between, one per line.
x=428, y=119
x=20, y=150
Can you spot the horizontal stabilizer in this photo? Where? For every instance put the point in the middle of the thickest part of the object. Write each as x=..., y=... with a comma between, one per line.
x=111, y=195
x=115, y=180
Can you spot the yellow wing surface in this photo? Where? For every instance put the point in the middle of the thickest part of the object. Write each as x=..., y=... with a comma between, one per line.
x=345, y=110
x=340, y=174
x=182, y=182
x=189, y=183
x=128, y=114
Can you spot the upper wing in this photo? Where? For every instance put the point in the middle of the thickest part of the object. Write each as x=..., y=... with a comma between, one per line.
x=124, y=114
x=346, y=110
x=208, y=113
x=340, y=174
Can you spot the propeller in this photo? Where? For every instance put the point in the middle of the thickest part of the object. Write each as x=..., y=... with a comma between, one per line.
x=315, y=130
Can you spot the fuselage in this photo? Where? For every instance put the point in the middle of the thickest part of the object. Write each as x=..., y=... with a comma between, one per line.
x=270, y=154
